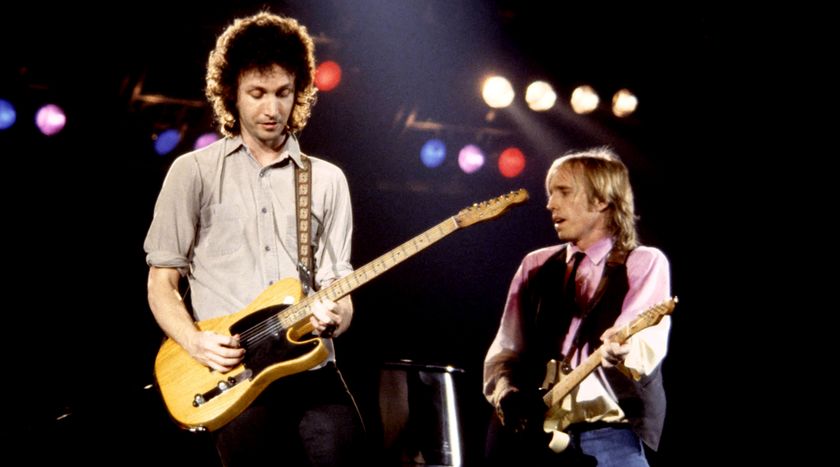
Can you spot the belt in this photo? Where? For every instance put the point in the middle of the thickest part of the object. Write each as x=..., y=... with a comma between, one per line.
x=582, y=427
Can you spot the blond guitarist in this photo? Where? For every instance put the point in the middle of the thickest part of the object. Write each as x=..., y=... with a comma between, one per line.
x=564, y=302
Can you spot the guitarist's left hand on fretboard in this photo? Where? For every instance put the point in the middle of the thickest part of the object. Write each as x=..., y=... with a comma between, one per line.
x=613, y=353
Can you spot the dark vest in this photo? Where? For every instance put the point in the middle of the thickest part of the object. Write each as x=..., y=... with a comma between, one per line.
x=547, y=313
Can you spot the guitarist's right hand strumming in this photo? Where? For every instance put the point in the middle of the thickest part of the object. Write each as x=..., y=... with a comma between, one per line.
x=215, y=351
x=521, y=410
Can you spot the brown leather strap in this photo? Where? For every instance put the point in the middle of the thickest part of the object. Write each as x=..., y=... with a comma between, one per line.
x=303, y=194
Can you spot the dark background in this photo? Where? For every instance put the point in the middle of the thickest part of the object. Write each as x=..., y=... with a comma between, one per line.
x=83, y=345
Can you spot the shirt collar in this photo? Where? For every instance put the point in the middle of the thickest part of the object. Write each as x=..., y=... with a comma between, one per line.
x=596, y=253
x=290, y=149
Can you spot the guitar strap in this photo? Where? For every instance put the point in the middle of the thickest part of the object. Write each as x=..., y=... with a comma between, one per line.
x=303, y=195
x=616, y=258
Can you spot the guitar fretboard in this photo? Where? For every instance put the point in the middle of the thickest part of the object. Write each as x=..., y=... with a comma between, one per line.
x=338, y=289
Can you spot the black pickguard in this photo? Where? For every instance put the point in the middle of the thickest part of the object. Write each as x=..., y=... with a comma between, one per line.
x=270, y=344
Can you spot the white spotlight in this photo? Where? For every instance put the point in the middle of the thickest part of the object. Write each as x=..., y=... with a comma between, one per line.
x=584, y=99
x=540, y=96
x=624, y=103
x=497, y=92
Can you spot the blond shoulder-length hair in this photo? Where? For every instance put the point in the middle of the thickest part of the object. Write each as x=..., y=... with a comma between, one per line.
x=605, y=178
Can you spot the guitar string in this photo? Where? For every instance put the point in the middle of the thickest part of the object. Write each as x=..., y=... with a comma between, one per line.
x=279, y=322
x=282, y=321
x=270, y=326
x=276, y=323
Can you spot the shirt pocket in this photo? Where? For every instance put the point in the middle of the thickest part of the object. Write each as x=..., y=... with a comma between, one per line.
x=222, y=229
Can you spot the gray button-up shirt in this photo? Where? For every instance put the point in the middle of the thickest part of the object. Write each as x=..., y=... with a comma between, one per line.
x=228, y=224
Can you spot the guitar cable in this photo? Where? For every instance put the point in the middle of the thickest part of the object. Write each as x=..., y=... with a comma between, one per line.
x=352, y=399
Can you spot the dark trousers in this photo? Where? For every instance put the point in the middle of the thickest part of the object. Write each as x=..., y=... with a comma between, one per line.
x=307, y=419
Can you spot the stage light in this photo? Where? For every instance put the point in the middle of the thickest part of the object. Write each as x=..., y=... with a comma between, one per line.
x=511, y=162
x=205, y=140
x=433, y=153
x=624, y=103
x=497, y=92
x=166, y=141
x=540, y=96
x=470, y=158
x=584, y=99
x=327, y=76
x=50, y=119
x=7, y=114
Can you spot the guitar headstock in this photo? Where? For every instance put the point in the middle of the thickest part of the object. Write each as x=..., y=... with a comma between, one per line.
x=491, y=208
x=652, y=315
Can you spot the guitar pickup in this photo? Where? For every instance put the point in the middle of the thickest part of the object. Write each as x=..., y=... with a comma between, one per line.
x=221, y=387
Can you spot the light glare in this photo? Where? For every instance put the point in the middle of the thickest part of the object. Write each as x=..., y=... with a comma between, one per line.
x=7, y=114
x=584, y=99
x=540, y=96
x=624, y=103
x=470, y=158
x=50, y=119
x=497, y=92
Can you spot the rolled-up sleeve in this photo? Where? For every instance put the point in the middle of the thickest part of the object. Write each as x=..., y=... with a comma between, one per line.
x=171, y=235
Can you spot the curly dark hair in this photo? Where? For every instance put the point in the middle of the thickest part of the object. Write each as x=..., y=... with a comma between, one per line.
x=259, y=42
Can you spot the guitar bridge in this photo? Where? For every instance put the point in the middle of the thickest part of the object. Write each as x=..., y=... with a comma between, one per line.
x=221, y=387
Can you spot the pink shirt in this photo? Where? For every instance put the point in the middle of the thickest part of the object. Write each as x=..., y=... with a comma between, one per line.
x=649, y=283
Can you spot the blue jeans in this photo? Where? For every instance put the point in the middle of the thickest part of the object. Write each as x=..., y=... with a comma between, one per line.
x=612, y=447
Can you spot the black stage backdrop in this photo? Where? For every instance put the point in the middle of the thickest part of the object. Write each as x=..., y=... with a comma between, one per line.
x=83, y=339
